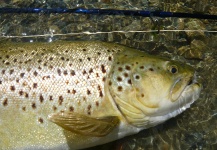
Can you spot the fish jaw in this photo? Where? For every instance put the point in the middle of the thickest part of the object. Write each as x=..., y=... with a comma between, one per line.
x=189, y=95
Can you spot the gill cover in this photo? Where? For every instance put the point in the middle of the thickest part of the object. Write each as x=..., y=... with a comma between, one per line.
x=146, y=87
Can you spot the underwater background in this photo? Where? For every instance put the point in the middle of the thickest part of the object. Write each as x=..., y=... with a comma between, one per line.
x=193, y=41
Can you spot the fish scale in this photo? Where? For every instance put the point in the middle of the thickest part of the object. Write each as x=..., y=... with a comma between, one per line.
x=72, y=95
x=55, y=76
x=52, y=78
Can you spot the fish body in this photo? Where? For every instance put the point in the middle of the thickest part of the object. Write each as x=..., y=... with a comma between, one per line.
x=73, y=95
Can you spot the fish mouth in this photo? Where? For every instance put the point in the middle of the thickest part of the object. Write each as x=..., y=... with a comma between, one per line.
x=181, y=85
x=186, y=95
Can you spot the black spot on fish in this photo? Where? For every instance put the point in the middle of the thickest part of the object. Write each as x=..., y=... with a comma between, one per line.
x=100, y=94
x=127, y=68
x=35, y=73
x=110, y=58
x=50, y=98
x=120, y=88
x=65, y=72
x=141, y=67
x=84, y=72
x=59, y=72
x=15, y=60
x=62, y=58
x=40, y=120
x=88, y=92
x=151, y=69
x=129, y=81
x=11, y=71
x=21, y=93
x=91, y=70
x=41, y=98
x=137, y=77
x=100, y=91
x=73, y=91
x=3, y=71
x=22, y=75
x=33, y=105
x=120, y=69
x=12, y=88
x=103, y=69
x=71, y=109
x=60, y=100
x=126, y=75
x=35, y=85
x=5, y=102
x=89, y=109
x=26, y=95
x=97, y=75
x=72, y=72
x=119, y=79
x=24, y=108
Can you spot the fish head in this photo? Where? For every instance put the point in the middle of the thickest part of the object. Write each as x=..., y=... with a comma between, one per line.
x=149, y=90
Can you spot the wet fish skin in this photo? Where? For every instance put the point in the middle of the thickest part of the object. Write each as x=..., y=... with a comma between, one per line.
x=42, y=83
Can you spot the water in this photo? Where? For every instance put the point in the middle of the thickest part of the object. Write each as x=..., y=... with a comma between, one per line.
x=192, y=41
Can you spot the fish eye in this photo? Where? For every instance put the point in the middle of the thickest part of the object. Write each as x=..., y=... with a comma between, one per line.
x=173, y=69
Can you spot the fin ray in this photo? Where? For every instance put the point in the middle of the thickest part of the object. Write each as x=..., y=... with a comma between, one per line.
x=85, y=125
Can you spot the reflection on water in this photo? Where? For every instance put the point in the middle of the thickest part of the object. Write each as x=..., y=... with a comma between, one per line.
x=192, y=43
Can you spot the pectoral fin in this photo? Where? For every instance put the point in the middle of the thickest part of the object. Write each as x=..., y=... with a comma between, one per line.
x=85, y=125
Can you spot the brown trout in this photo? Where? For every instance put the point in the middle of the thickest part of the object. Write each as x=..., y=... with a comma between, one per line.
x=74, y=95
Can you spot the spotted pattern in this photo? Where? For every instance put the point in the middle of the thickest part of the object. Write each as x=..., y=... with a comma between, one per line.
x=55, y=77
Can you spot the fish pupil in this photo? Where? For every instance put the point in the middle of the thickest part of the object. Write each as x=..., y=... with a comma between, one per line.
x=174, y=70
